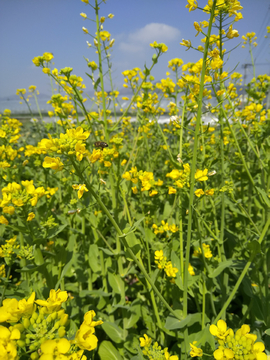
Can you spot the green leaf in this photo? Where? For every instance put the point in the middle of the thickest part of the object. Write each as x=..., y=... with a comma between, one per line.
x=94, y=293
x=107, y=252
x=53, y=232
x=254, y=247
x=132, y=343
x=267, y=331
x=223, y=265
x=65, y=269
x=117, y=284
x=167, y=210
x=115, y=333
x=97, y=83
x=107, y=351
x=91, y=77
x=264, y=196
x=172, y=323
x=30, y=268
x=134, y=244
x=132, y=316
x=93, y=258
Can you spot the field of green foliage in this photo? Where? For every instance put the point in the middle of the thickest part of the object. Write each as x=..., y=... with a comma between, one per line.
x=134, y=240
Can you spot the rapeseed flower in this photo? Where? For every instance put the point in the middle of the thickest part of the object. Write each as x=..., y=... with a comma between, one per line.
x=54, y=301
x=239, y=345
x=155, y=351
x=13, y=310
x=81, y=189
x=195, y=351
x=162, y=263
x=85, y=337
x=192, y=5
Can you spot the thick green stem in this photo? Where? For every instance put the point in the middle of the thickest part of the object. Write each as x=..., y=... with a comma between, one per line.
x=192, y=181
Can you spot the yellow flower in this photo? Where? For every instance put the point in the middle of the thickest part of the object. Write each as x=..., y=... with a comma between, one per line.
x=191, y=271
x=85, y=338
x=160, y=46
x=9, y=210
x=195, y=351
x=220, y=330
x=199, y=192
x=105, y=35
x=146, y=341
x=186, y=43
x=82, y=188
x=46, y=70
x=159, y=255
x=172, y=190
x=153, y=193
x=192, y=5
x=221, y=354
x=134, y=190
x=201, y=175
x=232, y=33
x=85, y=30
x=31, y=216
x=54, y=301
x=7, y=343
x=210, y=192
x=3, y=220
x=83, y=15
x=170, y=270
x=54, y=349
x=53, y=163
x=12, y=309
x=258, y=349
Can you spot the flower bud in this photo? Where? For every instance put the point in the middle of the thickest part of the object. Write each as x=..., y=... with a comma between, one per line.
x=21, y=343
x=34, y=356
x=57, y=324
x=33, y=347
x=26, y=323
x=64, y=319
x=54, y=315
x=34, y=316
x=61, y=331
x=60, y=313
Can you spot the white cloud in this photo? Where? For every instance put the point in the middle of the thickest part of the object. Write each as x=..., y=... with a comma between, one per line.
x=160, y=33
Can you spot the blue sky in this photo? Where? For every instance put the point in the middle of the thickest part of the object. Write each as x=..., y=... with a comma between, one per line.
x=31, y=27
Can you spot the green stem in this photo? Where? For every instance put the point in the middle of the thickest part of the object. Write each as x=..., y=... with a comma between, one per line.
x=193, y=168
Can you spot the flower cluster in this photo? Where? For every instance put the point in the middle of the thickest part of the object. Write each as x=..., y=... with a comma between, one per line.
x=239, y=345
x=69, y=144
x=162, y=263
x=206, y=251
x=155, y=351
x=9, y=251
x=164, y=227
x=9, y=130
x=39, y=327
x=16, y=196
x=181, y=178
x=146, y=178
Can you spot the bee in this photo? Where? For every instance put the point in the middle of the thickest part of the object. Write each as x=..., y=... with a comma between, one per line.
x=101, y=144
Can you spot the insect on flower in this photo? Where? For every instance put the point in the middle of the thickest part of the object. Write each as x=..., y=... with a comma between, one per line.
x=101, y=144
